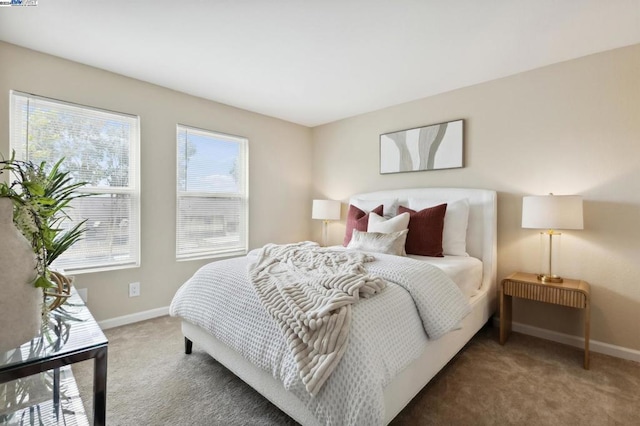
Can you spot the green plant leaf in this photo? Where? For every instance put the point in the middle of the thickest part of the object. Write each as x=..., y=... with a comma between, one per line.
x=34, y=187
x=43, y=282
x=40, y=199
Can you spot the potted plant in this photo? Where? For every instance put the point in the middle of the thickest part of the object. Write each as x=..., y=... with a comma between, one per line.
x=41, y=196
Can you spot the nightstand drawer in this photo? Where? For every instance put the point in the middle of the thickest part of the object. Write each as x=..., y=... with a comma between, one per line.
x=542, y=293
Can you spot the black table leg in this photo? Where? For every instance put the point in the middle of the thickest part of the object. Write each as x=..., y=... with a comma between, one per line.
x=56, y=393
x=188, y=346
x=100, y=387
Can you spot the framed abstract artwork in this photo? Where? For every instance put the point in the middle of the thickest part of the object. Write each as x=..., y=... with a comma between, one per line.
x=433, y=147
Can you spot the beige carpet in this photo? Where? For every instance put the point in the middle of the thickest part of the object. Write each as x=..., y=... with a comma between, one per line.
x=528, y=381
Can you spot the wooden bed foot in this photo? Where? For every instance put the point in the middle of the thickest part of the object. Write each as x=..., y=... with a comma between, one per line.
x=188, y=346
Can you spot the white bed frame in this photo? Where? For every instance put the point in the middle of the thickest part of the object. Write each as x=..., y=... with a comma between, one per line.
x=481, y=243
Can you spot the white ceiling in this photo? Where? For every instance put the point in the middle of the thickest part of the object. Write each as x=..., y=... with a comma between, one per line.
x=313, y=62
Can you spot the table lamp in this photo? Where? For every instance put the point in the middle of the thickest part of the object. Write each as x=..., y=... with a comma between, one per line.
x=325, y=210
x=552, y=212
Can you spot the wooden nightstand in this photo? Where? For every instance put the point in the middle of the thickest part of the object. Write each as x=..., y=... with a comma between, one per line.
x=573, y=293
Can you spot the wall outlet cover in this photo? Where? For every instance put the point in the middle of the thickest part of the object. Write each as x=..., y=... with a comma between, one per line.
x=134, y=289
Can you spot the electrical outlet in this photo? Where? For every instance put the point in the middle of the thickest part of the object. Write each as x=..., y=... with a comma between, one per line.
x=134, y=289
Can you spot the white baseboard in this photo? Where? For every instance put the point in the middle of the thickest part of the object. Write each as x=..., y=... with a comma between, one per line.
x=131, y=318
x=567, y=339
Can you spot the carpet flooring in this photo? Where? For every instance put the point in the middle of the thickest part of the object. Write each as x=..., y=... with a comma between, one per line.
x=528, y=381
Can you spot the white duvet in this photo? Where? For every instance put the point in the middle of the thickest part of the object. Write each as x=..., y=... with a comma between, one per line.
x=388, y=331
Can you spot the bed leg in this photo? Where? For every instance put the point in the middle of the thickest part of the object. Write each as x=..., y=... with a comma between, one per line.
x=188, y=346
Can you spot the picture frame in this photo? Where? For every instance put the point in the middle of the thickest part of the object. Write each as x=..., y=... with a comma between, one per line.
x=433, y=147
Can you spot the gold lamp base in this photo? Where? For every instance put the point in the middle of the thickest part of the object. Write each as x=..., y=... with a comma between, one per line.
x=550, y=278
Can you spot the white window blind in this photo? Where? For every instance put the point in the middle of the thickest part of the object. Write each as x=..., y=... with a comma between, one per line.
x=99, y=147
x=212, y=197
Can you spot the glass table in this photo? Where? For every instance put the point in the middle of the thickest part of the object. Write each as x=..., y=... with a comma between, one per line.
x=36, y=382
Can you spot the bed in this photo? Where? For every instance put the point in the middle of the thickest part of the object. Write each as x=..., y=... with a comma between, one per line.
x=402, y=385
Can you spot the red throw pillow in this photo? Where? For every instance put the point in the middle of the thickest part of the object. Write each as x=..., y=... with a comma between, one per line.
x=425, y=230
x=357, y=219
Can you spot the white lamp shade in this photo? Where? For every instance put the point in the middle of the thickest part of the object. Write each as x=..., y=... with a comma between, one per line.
x=552, y=212
x=326, y=210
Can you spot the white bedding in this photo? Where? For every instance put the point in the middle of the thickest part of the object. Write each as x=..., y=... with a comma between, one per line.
x=465, y=271
x=309, y=292
x=387, y=332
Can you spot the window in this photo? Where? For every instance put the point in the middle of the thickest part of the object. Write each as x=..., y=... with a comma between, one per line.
x=212, y=194
x=99, y=147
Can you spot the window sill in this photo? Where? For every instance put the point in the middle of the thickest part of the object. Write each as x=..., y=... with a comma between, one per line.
x=218, y=255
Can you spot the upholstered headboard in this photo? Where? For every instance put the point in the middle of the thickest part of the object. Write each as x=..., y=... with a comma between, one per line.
x=482, y=224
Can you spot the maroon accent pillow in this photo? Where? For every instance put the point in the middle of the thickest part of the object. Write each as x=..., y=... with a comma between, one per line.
x=358, y=219
x=425, y=230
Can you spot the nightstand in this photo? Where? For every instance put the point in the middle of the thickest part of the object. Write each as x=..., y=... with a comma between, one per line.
x=572, y=293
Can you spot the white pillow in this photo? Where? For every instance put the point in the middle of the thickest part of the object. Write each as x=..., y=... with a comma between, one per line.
x=379, y=242
x=454, y=233
x=390, y=205
x=378, y=223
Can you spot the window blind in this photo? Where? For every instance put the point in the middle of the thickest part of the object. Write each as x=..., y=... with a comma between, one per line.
x=99, y=147
x=212, y=195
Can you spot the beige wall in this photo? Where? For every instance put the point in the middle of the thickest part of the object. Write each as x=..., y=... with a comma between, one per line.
x=570, y=128
x=279, y=169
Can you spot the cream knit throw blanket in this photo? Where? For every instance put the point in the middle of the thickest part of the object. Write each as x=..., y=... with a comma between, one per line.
x=309, y=291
